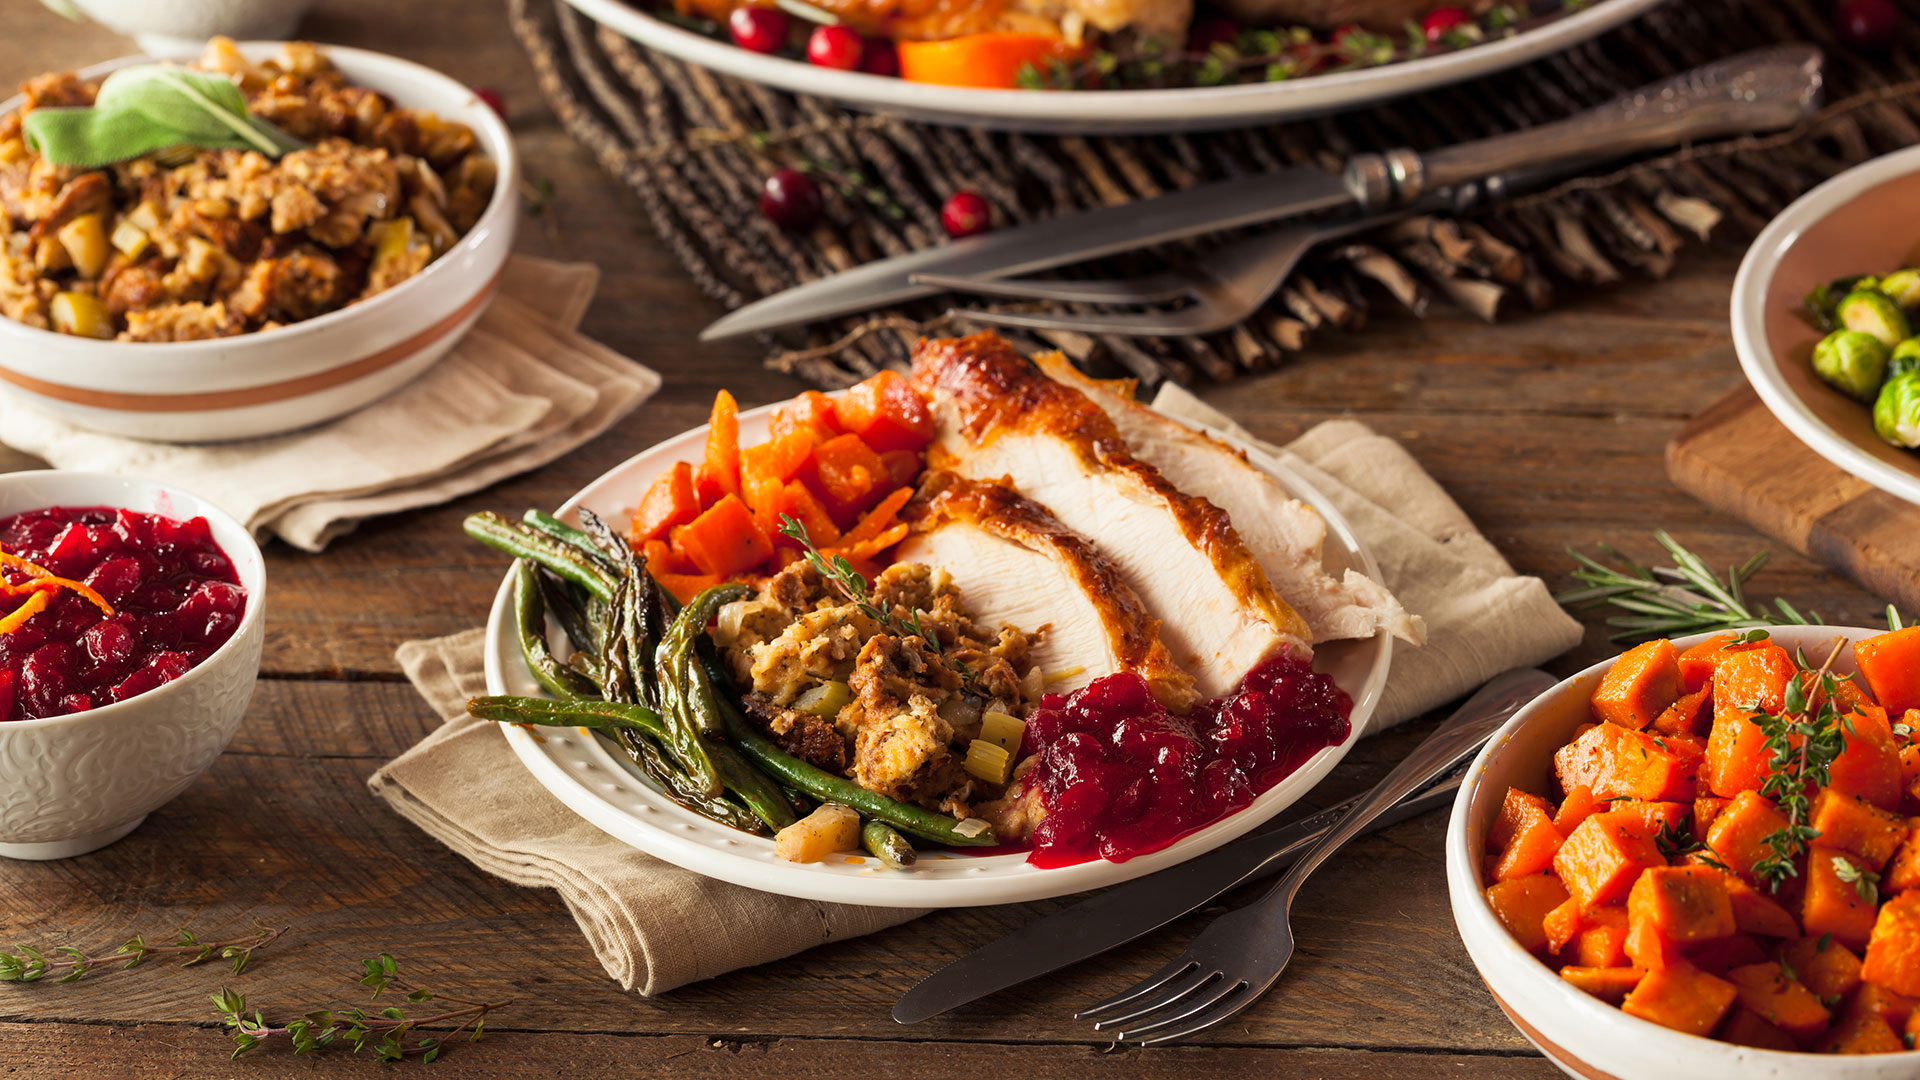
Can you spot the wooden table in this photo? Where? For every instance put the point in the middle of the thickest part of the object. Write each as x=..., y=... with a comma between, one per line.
x=1549, y=430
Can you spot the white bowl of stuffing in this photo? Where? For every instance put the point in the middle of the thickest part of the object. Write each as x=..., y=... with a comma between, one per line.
x=303, y=231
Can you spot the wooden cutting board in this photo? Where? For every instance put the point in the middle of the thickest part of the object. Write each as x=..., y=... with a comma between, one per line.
x=1736, y=457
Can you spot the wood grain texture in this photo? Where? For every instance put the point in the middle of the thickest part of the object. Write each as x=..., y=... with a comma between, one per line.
x=1548, y=429
x=1737, y=457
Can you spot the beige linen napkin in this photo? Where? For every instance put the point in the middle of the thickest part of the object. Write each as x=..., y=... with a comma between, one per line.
x=521, y=389
x=655, y=926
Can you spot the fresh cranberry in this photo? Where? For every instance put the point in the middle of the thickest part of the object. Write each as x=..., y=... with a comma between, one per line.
x=1867, y=24
x=116, y=578
x=758, y=29
x=494, y=100
x=791, y=200
x=1210, y=31
x=7, y=679
x=965, y=213
x=1442, y=21
x=836, y=47
x=879, y=57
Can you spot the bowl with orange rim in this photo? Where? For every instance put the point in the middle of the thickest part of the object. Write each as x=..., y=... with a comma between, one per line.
x=291, y=376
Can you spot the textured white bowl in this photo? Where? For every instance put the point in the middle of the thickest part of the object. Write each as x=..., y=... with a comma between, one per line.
x=1584, y=1036
x=279, y=380
x=179, y=23
x=1860, y=222
x=70, y=784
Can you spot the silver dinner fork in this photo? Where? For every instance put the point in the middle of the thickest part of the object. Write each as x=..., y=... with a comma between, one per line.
x=1237, y=958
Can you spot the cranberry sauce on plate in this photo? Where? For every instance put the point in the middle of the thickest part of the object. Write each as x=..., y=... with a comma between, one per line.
x=1121, y=776
x=174, y=595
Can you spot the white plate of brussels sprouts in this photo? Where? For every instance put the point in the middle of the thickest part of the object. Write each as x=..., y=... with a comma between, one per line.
x=1826, y=313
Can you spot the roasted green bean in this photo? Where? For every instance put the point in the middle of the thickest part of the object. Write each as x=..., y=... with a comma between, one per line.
x=530, y=618
x=601, y=715
x=786, y=768
x=887, y=845
x=680, y=787
x=571, y=616
x=560, y=530
x=751, y=786
x=563, y=559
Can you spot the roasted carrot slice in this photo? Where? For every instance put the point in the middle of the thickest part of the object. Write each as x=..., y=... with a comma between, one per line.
x=719, y=474
x=670, y=501
x=879, y=519
x=725, y=540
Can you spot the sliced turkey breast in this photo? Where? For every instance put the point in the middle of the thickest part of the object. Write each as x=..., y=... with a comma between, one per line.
x=1016, y=565
x=998, y=418
x=1285, y=534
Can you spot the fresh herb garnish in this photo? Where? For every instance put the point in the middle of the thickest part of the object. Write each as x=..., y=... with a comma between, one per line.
x=1864, y=882
x=29, y=964
x=1675, y=843
x=1685, y=598
x=152, y=107
x=1802, y=743
x=387, y=1031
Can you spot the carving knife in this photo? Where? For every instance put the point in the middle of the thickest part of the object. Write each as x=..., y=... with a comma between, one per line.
x=1762, y=90
x=1115, y=917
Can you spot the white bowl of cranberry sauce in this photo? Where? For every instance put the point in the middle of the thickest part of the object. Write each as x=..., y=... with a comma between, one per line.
x=134, y=671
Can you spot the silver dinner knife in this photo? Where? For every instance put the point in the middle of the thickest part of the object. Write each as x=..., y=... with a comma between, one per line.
x=1119, y=915
x=1762, y=90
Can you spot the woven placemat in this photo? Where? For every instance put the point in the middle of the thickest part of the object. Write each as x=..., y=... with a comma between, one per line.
x=695, y=146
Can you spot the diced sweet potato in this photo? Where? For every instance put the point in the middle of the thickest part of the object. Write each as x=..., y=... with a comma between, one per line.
x=886, y=412
x=725, y=540
x=1575, y=808
x=1737, y=754
x=1826, y=967
x=1562, y=925
x=1889, y=1005
x=1639, y=686
x=848, y=476
x=810, y=414
x=1522, y=905
x=1600, y=861
x=1681, y=997
x=1783, y=1002
x=685, y=587
x=1891, y=666
x=1754, y=912
x=1517, y=808
x=1832, y=905
x=1705, y=809
x=1738, y=836
x=1903, y=872
x=1606, y=983
x=1910, y=762
x=1724, y=954
x=1893, y=949
x=1869, y=763
x=1648, y=948
x=1698, y=662
x=670, y=501
x=1744, y=1028
x=1602, y=941
x=1856, y=826
x=1615, y=761
x=663, y=559
x=1684, y=716
x=1653, y=817
x=1863, y=1034
x=1688, y=904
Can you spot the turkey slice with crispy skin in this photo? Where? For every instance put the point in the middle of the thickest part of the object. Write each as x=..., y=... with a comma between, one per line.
x=1285, y=534
x=998, y=418
x=1016, y=565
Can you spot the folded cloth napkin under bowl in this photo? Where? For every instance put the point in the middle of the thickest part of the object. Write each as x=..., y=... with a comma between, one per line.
x=656, y=926
x=521, y=389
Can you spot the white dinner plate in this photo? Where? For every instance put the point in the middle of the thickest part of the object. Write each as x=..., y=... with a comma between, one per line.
x=1115, y=112
x=593, y=776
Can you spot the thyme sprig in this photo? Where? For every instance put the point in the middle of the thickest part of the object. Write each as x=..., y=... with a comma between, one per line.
x=1685, y=598
x=1802, y=741
x=388, y=1031
x=29, y=964
x=1675, y=843
x=1865, y=882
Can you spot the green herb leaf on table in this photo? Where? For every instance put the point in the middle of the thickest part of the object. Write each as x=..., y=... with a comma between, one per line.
x=28, y=964
x=151, y=107
x=388, y=1031
x=1665, y=601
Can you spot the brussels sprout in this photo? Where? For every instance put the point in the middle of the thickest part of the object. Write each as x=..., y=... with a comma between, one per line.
x=1896, y=412
x=1852, y=362
x=1902, y=287
x=1905, y=358
x=1875, y=314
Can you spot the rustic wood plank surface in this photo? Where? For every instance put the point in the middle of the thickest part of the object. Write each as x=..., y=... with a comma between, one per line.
x=1549, y=430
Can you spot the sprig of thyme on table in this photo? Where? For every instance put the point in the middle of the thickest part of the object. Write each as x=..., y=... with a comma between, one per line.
x=28, y=964
x=387, y=1031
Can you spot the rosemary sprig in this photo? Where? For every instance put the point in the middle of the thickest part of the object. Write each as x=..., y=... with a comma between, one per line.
x=1802, y=743
x=1685, y=598
x=387, y=1031
x=29, y=964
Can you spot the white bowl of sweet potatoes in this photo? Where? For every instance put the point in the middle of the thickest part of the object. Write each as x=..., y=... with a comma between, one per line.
x=1702, y=858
